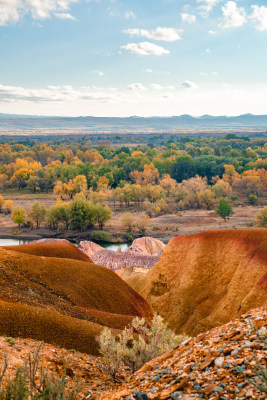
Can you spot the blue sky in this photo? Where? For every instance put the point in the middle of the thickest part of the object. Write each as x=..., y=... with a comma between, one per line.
x=138, y=57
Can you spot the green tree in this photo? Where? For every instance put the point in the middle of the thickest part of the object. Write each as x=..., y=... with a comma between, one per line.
x=82, y=214
x=102, y=214
x=37, y=213
x=224, y=208
x=18, y=215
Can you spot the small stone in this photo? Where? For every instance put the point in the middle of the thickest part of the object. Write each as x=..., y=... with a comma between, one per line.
x=219, y=362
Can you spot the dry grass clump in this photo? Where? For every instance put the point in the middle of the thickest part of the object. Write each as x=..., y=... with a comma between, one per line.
x=33, y=381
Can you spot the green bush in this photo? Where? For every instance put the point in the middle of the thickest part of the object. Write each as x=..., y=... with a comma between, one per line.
x=252, y=199
x=101, y=236
x=224, y=208
x=234, y=197
x=137, y=344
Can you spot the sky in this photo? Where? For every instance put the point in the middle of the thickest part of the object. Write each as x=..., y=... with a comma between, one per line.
x=133, y=57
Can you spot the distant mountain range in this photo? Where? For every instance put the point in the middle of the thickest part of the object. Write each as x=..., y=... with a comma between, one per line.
x=34, y=124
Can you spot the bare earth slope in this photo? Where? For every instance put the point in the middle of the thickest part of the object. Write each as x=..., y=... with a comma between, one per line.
x=60, y=299
x=205, y=367
x=59, y=249
x=207, y=279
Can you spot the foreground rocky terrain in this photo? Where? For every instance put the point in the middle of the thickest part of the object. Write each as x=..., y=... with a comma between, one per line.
x=214, y=365
x=204, y=367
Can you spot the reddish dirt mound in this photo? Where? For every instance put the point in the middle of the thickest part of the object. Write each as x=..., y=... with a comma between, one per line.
x=55, y=288
x=204, y=367
x=58, y=249
x=207, y=279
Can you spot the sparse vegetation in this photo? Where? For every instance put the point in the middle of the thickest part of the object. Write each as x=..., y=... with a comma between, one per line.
x=33, y=381
x=137, y=344
x=261, y=217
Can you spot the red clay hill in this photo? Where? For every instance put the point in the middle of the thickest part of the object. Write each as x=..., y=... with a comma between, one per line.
x=51, y=248
x=63, y=301
x=205, y=280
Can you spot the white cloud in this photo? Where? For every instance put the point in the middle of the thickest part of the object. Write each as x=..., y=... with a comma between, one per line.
x=151, y=71
x=130, y=15
x=190, y=18
x=9, y=11
x=160, y=33
x=189, y=85
x=14, y=10
x=259, y=17
x=64, y=16
x=145, y=49
x=212, y=32
x=156, y=86
x=136, y=86
x=64, y=93
x=98, y=73
x=207, y=6
x=234, y=16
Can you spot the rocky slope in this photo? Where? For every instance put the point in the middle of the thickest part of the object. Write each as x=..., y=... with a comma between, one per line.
x=146, y=245
x=144, y=252
x=214, y=365
x=62, y=300
x=207, y=279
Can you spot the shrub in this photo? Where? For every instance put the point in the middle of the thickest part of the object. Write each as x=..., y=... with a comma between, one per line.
x=34, y=382
x=142, y=223
x=101, y=236
x=127, y=221
x=9, y=205
x=252, y=199
x=234, y=197
x=137, y=344
x=261, y=217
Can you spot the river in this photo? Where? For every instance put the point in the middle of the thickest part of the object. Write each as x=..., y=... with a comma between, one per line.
x=17, y=241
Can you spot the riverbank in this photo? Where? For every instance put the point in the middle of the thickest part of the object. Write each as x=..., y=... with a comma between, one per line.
x=163, y=227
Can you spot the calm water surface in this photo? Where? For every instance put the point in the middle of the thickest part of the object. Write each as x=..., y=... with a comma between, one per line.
x=108, y=246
